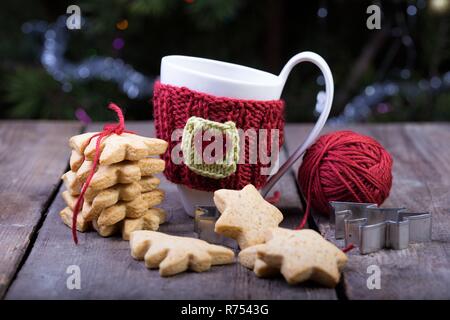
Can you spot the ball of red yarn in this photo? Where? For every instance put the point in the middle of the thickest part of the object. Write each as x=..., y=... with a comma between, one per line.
x=345, y=166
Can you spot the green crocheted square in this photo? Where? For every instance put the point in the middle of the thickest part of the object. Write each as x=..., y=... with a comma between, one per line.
x=194, y=132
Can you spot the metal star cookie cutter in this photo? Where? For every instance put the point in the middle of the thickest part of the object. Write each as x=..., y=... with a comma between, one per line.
x=372, y=228
x=205, y=218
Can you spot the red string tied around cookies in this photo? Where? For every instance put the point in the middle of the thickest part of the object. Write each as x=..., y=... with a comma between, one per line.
x=108, y=129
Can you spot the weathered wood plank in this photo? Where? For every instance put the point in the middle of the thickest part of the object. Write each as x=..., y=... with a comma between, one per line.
x=108, y=271
x=421, y=182
x=33, y=155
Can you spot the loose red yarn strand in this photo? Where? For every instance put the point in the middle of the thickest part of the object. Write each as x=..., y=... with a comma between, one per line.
x=308, y=197
x=274, y=198
x=108, y=129
x=351, y=246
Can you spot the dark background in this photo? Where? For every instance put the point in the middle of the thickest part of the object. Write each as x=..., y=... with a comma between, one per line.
x=398, y=73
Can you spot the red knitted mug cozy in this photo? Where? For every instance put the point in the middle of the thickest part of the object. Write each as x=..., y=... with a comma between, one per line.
x=173, y=106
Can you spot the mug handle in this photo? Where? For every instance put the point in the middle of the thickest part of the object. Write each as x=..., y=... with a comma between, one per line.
x=314, y=58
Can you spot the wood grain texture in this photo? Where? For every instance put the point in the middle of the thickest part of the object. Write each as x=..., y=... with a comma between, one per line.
x=109, y=272
x=421, y=182
x=33, y=156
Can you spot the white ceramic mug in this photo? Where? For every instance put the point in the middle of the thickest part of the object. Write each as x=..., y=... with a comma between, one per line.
x=235, y=81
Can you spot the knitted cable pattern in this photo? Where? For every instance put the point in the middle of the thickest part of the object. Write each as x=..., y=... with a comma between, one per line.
x=173, y=106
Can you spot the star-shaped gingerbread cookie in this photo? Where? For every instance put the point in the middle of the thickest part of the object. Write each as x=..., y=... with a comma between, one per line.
x=66, y=215
x=109, y=210
x=108, y=176
x=76, y=160
x=127, y=191
x=116, y=148
x=172, y=254
x=149, y=221
x=245, y=215
x=299, y=255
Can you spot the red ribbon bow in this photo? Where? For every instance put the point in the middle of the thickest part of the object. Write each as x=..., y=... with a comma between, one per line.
x=108, y=129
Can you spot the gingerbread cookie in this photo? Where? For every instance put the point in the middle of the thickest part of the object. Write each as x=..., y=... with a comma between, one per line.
x=111, y=209
x=80, y=141
x=245, y=215
x=149, y=183
x=299, y=255
x=106, y=231
x=125, y=172
x=108, y=176
x=120, y=191
x=125, y=209
x=249, y=260
x=76, y=160
x=172, y=254
x=127, y=191
x=99, y=200
x=66, y=215
x=72, y=184
x=73, y=180
x=116, y=148
x=149, y=221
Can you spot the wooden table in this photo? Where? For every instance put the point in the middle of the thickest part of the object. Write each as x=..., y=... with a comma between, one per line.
x=36, y=249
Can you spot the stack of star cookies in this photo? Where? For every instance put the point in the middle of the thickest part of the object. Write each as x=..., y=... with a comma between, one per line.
x=123, y=192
